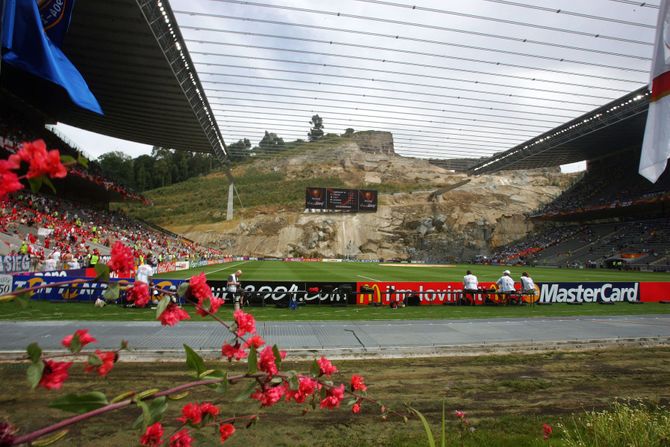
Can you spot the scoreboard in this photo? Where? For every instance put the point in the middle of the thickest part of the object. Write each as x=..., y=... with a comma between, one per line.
x=339, y=199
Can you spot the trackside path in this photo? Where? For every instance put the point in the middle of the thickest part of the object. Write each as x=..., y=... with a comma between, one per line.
x=150, y=339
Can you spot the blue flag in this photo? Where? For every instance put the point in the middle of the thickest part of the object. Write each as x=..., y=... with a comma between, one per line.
x=56, y=15
x=27, y=47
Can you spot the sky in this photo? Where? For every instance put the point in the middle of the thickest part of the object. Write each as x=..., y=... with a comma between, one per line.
x=448, y=79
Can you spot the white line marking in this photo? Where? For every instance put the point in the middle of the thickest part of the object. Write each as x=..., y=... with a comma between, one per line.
x=371, y=279
x=227, y=267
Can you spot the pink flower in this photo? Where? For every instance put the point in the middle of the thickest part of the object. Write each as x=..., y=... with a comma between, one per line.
x=173, y=315
x=357, y=383
x=356, y=408
x=333, y=397
x=199, y=287
x=269, y=396
x=123, y=261
x=108, y=359
x=256, y=341
x=153, y=435
x=326, y=368
x=266, y=361
x=245, y=323
x=191, y=413
x=40, y=161
x=226, y=431
x=54, y=374
x=139, y=294
x=233, y=352
x=181, y=439
x=83, y=335
x=9, y=181
x=207, y=408
x=306, y=387
x=214, y=304
x=459, y=414
x=547, y=430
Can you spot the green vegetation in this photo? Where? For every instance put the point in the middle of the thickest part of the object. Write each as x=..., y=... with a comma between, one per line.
x=362, y=272
x=625, y=424
x=578, y=383
x=43, y=311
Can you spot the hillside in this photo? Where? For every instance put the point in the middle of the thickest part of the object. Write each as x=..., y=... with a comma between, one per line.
x=485, y=212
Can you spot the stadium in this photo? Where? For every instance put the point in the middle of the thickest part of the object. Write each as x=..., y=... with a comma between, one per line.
x=446, y=159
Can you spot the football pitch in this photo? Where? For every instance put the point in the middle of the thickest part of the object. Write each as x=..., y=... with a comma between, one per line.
x=379, y=272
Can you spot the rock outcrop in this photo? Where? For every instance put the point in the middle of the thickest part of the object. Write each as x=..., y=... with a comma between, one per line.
x=472, y=218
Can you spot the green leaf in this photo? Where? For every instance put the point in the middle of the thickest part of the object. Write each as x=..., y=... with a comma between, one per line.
x=293, y=382
x=80, y=403
x=102, y=271
x=123, y=396
x=111, y=293
x=426, y=427
x=351, y=402
x=94, y=360
x=244, y=395
x=75, y=344
x=124, y=345
x=82, y=161
x=162, y=305
x=275, y=351
x=47, y=181
x=252, y=361
x=23, y=299
x=48, y=440
x=67, y=159
x=34, y=352
x=146, y=393
x=207, y=373
x=181, y=290
x=194, y=361
x=152, y=412
x=36, y=183
x=315, y=369
x=443, y=441
x=34, y=373
x=179, y=396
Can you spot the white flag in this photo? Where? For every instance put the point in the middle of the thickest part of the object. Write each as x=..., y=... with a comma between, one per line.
x=656, y=144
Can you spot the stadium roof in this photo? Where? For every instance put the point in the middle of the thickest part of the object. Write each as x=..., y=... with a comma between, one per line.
x=608, y=129
x=133, y=57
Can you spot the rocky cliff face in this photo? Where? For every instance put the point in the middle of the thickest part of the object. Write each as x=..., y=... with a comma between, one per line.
x=472, y=218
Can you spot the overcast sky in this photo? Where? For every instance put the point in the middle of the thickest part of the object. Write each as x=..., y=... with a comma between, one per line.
x=449, y=78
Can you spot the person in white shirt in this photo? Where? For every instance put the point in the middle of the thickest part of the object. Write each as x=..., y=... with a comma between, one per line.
x=470, y=286
x=232, y=287
x=144, y=273
x=49, y=264
x=505, y=285
x=527, y=284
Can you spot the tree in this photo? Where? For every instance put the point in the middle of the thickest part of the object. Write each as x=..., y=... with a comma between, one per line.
x=348, y=133
x=117, y=166
x=316, y=132
x=240, y=150
x=270, y=142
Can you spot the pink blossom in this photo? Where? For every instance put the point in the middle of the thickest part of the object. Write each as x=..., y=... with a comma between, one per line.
x=245, y=323
x=547, y=430
x=459, y=414
x=226, y=431
x=356, y=408
x=139, y=294
x=214, y=304
x=256, y=341
x=54, y=374
x=269, y=396
x=199, y=288
x=208, y=408
x=9, y=181
x=267, y=361
x=325, y=367
x=40, y=161
x=83, y=335
x=173, y=315
x=107, y=358
x=153, y=436
x=333, y=397
x=357, y=383
x=306, y=387
x=123, y=261
x=233, y=352
x=191, y=413
x=181, y=439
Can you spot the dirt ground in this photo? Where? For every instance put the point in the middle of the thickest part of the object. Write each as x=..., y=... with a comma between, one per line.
x=507, y=398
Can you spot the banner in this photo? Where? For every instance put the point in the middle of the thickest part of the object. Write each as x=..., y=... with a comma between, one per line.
x=56, y=15
x=6, y=282
x=14, y=264
x=339, y=199
x=262, y=293
x=181, y=265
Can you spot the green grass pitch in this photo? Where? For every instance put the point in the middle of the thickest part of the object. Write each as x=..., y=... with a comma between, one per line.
x=365, y=272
